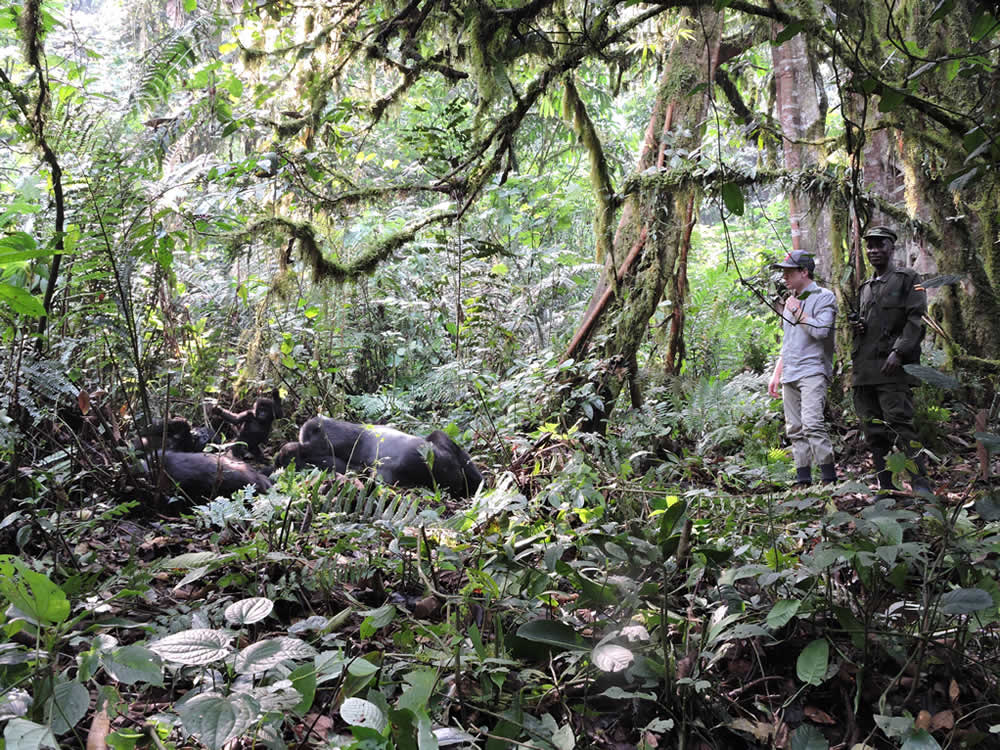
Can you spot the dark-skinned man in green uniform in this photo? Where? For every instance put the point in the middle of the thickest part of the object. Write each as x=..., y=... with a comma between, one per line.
x=887, y=336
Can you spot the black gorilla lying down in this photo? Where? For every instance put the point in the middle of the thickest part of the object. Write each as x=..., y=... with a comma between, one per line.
x=176, y=435
x=397, y=458
x=208, y=475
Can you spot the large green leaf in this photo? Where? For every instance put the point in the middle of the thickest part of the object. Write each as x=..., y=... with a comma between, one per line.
x=248, y=611
x=303, y=679
x=941, y=10
x=32, y=593
x=264, y=655
x=552, y=633
x=66, y=706
x=732, y=196
x=932, y=376
x=965, y=601
x=788, y=32
x=988, y=506
x=813, y=662
x=20, y=247
x=510, y=726
x=361, y=713
x=808, y=737
x=21, y=734
x=194, y=647
x=669, y=519
x=782, y=611
x=215, y=720
x=890, y=99
x=920, y=740
x=132, y=664
x=21, y=301
x=420, y=686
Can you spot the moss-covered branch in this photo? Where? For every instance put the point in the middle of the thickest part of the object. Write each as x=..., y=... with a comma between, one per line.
x=820, y=184
x=575, y=113
x=956, y=123
x=304, y=236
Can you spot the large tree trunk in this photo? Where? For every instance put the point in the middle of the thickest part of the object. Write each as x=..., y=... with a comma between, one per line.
x=884, y=175
x=801, y=111
x=654, y=223
x=964, y=218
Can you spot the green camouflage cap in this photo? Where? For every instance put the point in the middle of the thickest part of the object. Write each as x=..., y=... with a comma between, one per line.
x=881, y=231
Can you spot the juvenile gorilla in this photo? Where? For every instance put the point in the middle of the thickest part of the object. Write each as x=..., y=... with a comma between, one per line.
x=398, y=458
x=254, y=425
x=208, y=475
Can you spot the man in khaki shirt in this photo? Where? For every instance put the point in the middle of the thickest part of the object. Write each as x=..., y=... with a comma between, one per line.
x=805, y=367
x=887, y=336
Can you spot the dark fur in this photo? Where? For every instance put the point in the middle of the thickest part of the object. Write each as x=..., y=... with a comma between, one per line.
x=177, y=436
x=397, y=458
x=303, y=457
x=208, y=475
x=254, y=425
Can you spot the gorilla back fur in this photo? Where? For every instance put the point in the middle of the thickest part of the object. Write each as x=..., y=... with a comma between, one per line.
x=396, y=457
x=203, y=476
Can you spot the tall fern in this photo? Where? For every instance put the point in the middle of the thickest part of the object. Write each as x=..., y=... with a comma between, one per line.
x=164, y=66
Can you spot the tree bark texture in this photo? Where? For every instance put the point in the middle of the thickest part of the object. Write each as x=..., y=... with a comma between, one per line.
x=965, y=220
x=656, y=220
x=802, y=116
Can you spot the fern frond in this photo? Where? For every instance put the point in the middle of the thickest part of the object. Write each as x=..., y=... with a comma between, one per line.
x=382, y=504
x=166, y=64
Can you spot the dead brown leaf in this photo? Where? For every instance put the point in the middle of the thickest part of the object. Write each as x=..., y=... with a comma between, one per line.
x=318, y=726
x=759, y=729
x=100, y=725
x=942, y=720
x=923, y=720
x=819, y=716
x=426, y=608
x=953, y=690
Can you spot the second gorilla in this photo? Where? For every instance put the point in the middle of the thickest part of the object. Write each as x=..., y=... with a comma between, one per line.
x=397, y=458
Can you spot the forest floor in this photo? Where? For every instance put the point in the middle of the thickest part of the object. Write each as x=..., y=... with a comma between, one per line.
x=560, y=608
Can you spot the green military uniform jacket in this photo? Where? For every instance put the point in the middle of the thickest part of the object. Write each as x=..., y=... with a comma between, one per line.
x=891, y=307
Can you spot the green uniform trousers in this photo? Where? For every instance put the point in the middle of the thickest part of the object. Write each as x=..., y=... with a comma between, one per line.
x=886, y=414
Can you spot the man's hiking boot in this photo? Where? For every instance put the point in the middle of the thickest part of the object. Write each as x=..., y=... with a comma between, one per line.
x=803, y=476
x=828, y=473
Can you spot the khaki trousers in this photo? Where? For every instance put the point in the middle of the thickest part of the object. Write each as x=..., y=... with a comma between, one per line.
x=804, y=400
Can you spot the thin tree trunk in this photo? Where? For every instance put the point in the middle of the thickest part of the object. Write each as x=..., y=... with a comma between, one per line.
x=678, y=284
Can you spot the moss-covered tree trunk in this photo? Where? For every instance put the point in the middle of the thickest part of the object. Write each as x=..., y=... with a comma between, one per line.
x=652, y=229
x=964, y=215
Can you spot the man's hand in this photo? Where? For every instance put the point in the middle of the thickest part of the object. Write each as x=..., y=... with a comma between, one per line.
x=774, y=386
x=793, y=308
x=893, y=363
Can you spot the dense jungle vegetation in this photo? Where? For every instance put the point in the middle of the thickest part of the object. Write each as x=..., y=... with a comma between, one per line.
x=544, y=227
